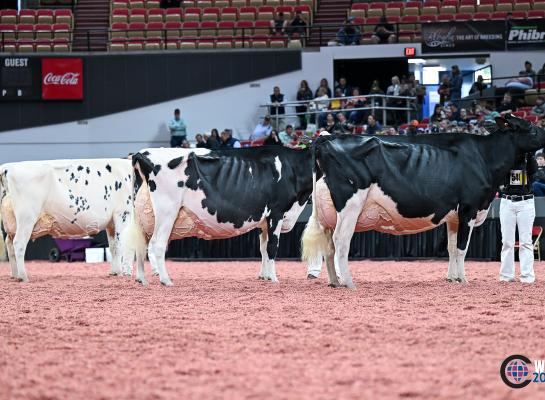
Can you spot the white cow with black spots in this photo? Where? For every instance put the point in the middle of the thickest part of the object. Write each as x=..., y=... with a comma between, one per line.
x=65, y=199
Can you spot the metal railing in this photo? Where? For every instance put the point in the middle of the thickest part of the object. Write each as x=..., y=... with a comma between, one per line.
x=374, y=109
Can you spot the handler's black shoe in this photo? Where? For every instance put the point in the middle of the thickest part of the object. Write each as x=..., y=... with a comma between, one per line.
x=310, y=276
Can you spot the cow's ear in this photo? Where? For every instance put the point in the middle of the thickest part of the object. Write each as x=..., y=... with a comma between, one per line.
x=502, y=123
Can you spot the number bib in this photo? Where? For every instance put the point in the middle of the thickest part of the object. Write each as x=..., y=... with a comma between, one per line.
x=518, y=177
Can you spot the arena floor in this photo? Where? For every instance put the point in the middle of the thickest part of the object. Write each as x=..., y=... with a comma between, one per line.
x=220, y=333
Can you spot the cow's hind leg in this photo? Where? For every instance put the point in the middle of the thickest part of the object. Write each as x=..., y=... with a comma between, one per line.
x=344, y=230
x=20, y=242
x=11, y=257
x=159, y=240
x=264, y=256
x=114, y=266
x=452, y=232
x=124, y=261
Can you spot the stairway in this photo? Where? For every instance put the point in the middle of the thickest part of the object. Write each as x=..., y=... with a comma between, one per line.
x=91, y=27
x=329, y=12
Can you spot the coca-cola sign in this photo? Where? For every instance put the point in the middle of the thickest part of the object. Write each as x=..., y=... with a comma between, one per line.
x=62, y=79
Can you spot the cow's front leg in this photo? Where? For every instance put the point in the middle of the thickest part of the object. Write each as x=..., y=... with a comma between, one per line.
x=331, y=272
x=264, y=272
x=164, y=221
x=11, y=257
x=465, y=228
x=274, y=227
x=452, y=232
x=20, y=242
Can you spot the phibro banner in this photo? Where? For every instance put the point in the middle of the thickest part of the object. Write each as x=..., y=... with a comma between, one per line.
x=525, y=35
x=451, y=37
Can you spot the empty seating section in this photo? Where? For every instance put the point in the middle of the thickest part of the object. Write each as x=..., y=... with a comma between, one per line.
x=41, y=30
x=202, y=24
x=411, y=14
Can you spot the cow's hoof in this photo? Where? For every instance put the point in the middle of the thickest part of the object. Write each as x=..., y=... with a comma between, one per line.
x=450, y=279
x=155, y=273
x=310, y=276
x=334, y=285
x=111, y=273
x=260, y=278
x=143, y=282
x=350, y=286
x=22, y=280
x=461, y=280
x=167, y=283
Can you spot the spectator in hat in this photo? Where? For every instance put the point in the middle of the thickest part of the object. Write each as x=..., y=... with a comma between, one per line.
x=178, y=129
x=349, y=34
x=228, y=141
x=538, y=178
x=262, y=130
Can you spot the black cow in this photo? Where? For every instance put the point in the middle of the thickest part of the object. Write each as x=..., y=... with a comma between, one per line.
x=220, y=194
x=400, y=186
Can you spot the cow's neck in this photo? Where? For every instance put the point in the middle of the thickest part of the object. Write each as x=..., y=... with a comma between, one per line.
x=499, y=151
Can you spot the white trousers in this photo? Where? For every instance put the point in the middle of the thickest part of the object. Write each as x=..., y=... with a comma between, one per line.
x=519, y=214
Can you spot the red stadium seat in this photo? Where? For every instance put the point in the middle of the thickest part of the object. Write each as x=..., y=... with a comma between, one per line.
x=27, y=16
x=498, y=15
x=244, y=28
x=535, y=14
x=393, y=19
x=209, y=28
x=8, y=16
x=173, y=30
x=229, y=14
x=192, y=14
x=226, y=28
x=173, y=15
x=427, y=18
x=156, y=15
x=190, y=28
x=211, y=14
x=262, y=27
x=519, y=14
x=138, y=15
x=7, y=31
x=155, y=30
x=44, y=16
x=287, y=10
x=445, y=17
x=25, y=31
x=247, y=13
x=481, y=16
x=43, y=31
x=462, y=17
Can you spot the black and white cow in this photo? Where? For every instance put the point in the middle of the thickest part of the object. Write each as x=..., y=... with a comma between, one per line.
x=65, y=199
x=218, y=194
x=403, y=186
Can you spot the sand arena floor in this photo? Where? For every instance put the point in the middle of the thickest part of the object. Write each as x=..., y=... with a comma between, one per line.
x=220, y=333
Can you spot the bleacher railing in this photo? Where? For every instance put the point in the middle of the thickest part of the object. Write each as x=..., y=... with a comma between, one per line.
x=379, y=106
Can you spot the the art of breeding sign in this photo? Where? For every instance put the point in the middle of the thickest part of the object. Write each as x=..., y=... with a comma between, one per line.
x=463, y=36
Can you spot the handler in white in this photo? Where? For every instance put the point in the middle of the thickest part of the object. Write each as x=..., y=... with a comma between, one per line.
x=517, y=209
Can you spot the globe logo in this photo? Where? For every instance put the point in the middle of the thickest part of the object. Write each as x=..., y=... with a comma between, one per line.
x=516, y=371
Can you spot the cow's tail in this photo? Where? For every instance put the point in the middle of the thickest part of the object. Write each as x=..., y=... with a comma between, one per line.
x=2, y=241
x=316, y=240
x=133, y=239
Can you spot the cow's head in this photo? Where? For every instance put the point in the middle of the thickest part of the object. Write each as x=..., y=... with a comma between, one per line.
x=528, y=137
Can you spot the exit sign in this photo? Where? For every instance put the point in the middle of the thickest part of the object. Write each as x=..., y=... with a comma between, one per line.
x=410, y=51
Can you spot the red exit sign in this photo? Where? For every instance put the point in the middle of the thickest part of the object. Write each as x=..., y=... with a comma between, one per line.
x=410, y=51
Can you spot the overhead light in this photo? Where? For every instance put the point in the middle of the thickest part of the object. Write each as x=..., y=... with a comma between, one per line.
x=416, y=61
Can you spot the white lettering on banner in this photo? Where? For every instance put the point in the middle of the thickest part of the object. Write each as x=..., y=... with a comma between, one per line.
x=16, y=62
x=69, y=78
x=539, y=366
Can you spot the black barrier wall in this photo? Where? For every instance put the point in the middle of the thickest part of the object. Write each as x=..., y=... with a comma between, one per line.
x=120, y=82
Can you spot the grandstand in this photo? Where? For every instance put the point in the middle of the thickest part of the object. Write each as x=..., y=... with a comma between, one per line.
x=120, y=25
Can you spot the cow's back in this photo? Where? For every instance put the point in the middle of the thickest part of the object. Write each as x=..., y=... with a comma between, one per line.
x=72, y=198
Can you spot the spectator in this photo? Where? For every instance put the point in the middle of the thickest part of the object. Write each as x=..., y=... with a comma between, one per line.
x=344, y=88
x=394, y=90
x=349, y=34
x=452, y=113
x=412, y=130
x=287, y=136
x=507, y=104
x=278, y=25
x=375, y=88
x=420, y=92
x=277, y=109
x=261, y=131
x=337, y=103
x=437, y=115
x=200, y=141
x=528, y=71
x=330, y=123
x=539, y=108
x=178, y=129
x=298, y=26
x=373, y=126
x=213, y=142
x=320, y=103
x=538, y=179
x=185, y=144
x=478, y=86
x=343, y=125
x=444, y=90
x=464, y=117
x=522, y=82
x=273, y=139
x=384, y=32
x=303, y=94
x=323, y=84
x=228, y=141
x=391, y=131
x=357, y=101
x=456, y=81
